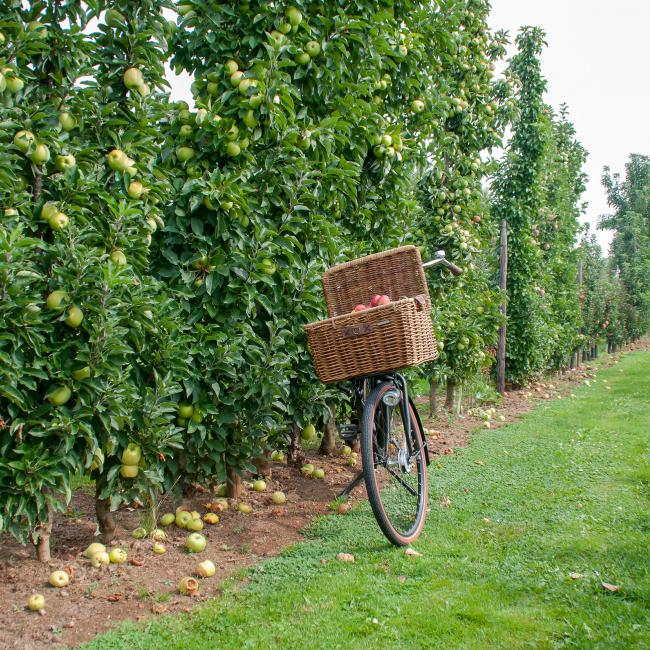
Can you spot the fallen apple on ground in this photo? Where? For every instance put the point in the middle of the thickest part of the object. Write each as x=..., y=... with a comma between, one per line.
x=279, y=497
x=206, y=569
x=118, y=556
x=195, y=543
x=244, y=508
x=188, y=586
x=95, y=547
x=36, y=602
x=259, y=485
x=167, y=519
x=59, y=579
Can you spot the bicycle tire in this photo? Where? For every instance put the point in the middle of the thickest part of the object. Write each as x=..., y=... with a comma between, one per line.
x=399, y=531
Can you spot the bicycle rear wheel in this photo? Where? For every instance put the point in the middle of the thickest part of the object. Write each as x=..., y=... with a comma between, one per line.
x=394, y=464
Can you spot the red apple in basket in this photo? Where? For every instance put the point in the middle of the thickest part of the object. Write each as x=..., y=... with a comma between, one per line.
x=383, y=300
x=360, y=308
x=374, y=301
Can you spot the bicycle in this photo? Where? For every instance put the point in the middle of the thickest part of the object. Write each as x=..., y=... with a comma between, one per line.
x=394, y=449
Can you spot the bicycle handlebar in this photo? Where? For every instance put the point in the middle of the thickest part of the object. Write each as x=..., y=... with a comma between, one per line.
x=441, y=259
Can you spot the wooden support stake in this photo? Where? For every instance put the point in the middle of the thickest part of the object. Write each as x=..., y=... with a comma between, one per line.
x=503, y=285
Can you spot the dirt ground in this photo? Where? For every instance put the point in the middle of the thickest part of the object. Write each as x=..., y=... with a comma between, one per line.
x=97, y=599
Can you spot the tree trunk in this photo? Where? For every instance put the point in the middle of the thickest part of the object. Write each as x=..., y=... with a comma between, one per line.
x=263, y=465
x=433, y=398
x=42, y=544
x=294, y=454
x=233, y=483
x=104, y=518
x=328, y=444
x=451, y=392
x=187, y=490
x=572, y=363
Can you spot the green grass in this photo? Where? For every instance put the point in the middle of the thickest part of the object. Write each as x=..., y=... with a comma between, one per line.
x=564, y=491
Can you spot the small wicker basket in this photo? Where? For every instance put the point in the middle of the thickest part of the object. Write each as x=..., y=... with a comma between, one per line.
x=353, y=344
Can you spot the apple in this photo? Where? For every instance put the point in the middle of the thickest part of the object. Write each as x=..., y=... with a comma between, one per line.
x=67, y=121
x=74, y=317
x=246, y=85
x=231, y=67
x=14, y=85
x=345, y=450
x=57, y=299
x=40, y=154
x=312, y=48
x=94, y=548
x=284, y=27
x=352, y=461
x=222, y=490
x=81, y=373
x=244, y=508
x=118, y=257
x=255, y=101
x=129, y=471
x=233, y=149
x=307, y=470
x=302, y=58
x=133, y=78
x=158, y=548
x=118, y=160
x=293, y=16
x=144, y=90
x=383, y=300
x=167, y=519
x=318, y=473
x=183, y=518
x=23, y=139
x=188, y=586
x=59, y=221
x=100, y=558
x=194, y=524
x=158, y=535
x=184, y=153
x=249, y=119
x=135, y=190
x=386, y=140
x=185, y=131
x=197, y=416
x=309, y=432
x=259, y=485
x=211, y=518
x=131, y=454
x=206, y=569
x=139, y=533
x=277, y=37
x=185, y=411
x=236, y=78
x=60, y=395
x=118, y=556
x=267, y=266
x=417, y=105
x=278, y=497
x=36, y=602
x=63, y=163
x=59, y=579
x=184, y=114
x=195, y=543
x=374, y=300
x=360, y=308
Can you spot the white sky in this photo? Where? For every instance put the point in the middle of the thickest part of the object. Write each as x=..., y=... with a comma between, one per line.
x=596, y=62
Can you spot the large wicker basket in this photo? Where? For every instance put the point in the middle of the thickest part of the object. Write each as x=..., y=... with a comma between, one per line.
x=353, y=344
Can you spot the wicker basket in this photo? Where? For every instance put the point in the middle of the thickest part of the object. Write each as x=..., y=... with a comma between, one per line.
x=399, y=334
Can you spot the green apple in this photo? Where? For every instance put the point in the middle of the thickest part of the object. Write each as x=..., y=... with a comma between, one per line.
x=144, y=90
x=63, y=163
x=255, y=101
x=36, y=602
x=197, y=416
x=231, y=67
x=167, y=519
x=244, y=508
x=293, y=16
x=135, y=190
x=57, y=299
x=40, y=154
x=259, y=485
x=74, y=316
x=59, y=395
x=139, y=533
x=249, y=119
x=185, y=131
x=233, y=149
x=129, y=471
x=313, y=48
x=309, y=432
x=23, y=139
x=318, y=473
x=59, y=579
x=195, y=543
x=278, y=497
x=118, y=160
x=158, y=548
x=284, y=27
x=118, y=257
x=118, y=556
x=247, y=86
x=417, y=105
x=67, y=121
x=183, y=518
x=131, y=454
x=185, y=411
x=206, y=569
x=267, y=266
x=59, y=221
x=236, y=78
x=101, y=558
x=93, y=548
x=184, y=153
x=133, y=78
x=307, y=470
x=81, y=373
x=188, y=586
x=302, y=58
x=345, y=450
x=14, y=85
x=277, y=37
x=158, y=535
x=277, y=456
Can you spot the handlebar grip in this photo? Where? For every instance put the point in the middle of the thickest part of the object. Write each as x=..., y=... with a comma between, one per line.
x=456, y=270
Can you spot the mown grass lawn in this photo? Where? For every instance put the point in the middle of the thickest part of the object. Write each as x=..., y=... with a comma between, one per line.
x=540, y=513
